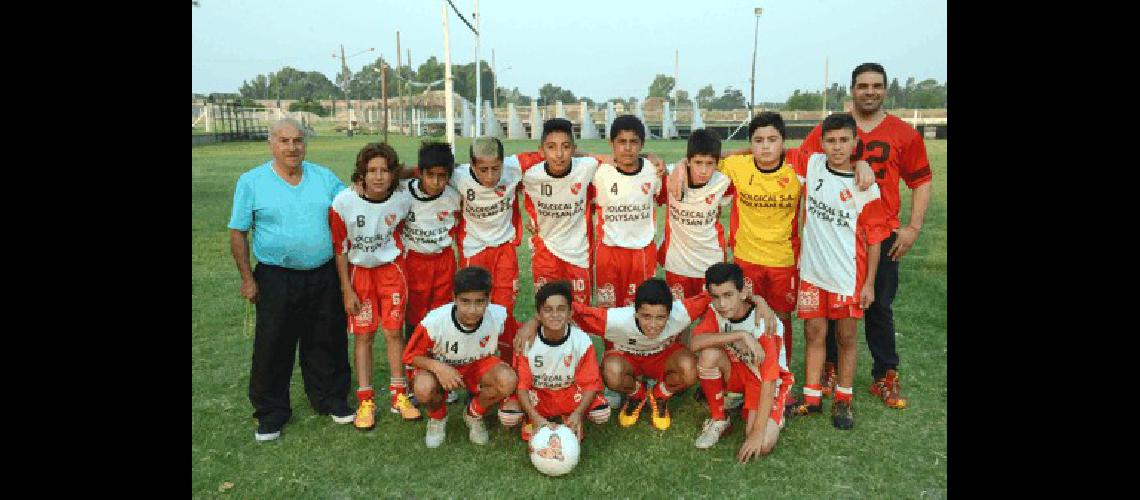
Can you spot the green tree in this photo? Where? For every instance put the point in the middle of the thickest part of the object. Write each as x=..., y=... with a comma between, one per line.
x=662, y=85
x=705, y=95
x=805, y=101
x=258, y=88
x=550, y=93
x=730, y=99
x=310, y=106
x=683, y=97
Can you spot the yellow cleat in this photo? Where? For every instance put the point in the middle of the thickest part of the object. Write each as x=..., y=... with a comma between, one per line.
x=403, y=405
x=365, y=416
x=627, y=418
x=659, y=415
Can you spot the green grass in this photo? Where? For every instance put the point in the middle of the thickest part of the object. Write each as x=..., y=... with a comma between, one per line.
x=890, y=453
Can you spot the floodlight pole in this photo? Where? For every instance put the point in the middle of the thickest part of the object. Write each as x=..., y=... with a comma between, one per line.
x=449, y=107
x=478, y=87
x=755, y=39
x=824, y=105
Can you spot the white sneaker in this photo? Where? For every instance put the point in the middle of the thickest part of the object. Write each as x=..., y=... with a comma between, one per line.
x=436, y=431
x=452, y=396
x=478, y=429
x=266, y=436
x=711, y=433
x=613, y=398
x=733, y=400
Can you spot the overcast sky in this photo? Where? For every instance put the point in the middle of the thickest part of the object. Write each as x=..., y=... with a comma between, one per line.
x=598, y=49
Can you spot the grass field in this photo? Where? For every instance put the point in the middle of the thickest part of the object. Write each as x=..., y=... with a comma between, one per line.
x=890, y=453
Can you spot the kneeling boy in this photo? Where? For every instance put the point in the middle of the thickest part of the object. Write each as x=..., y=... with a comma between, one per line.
x=453, y=348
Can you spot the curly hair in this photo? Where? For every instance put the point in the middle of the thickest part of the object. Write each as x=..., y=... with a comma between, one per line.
x=373, y=150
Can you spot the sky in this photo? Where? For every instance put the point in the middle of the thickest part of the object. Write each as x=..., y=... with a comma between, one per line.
x=597, y=49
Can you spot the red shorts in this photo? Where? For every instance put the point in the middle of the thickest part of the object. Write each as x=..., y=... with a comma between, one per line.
x=383, y=293
x=503, y=265
x=431, y=284
x=618, y=272
x=546, y=267
x=742, y=380
x=471, y=372
x=776, y=284
x=553, y=403
x=815, y=302
x=684, y=287
x=652, y=366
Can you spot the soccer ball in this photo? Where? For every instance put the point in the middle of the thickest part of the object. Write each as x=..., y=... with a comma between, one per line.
x=554, y=452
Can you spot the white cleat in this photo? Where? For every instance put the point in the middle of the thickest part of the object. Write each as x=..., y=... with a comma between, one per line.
x=478, y=429
x=436, y=431
x=711, y=433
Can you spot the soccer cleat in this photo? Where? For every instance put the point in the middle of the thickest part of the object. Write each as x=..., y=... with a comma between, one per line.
x=711, y=433
x=888, y=390
x=436, y=431
x=828, y=382
x=452, y=396
x=527, y=430
x=841, y=415
x=477, y=430
x=613, y=398
x=630, y=411
x=403, y=405
x=804, y=409
x=267, y=432
x=365, y=416
x=343, y=414
x=659, y=413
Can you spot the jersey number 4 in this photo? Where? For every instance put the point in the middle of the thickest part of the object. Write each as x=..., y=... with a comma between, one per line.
x=613, y=189
x=452, y=347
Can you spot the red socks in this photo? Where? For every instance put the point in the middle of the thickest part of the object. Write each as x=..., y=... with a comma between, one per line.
x=812, y=394
x=474, y=409
x=843, y=394
x=364, y=393
x=660, y=393
x=638, y=390
x=713, y=386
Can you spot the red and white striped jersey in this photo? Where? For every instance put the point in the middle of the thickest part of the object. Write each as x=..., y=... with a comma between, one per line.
x=432, y=219
x=619, y=324
x=440, y=336
x=558, y=206
x=490, y=215
x=367, y=230
x=626, y=215
x=839, y=222
x=571, y=361
x=694, y=237
x=775, y=354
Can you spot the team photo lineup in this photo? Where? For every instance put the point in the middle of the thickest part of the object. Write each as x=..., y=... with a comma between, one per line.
x=424, y=253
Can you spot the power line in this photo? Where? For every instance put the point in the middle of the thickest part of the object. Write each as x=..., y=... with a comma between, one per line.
x=461, y=18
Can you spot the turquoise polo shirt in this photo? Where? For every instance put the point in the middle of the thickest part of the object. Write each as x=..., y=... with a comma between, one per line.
x=290, y=223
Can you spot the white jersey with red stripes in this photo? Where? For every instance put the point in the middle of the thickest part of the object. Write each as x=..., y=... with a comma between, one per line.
x=490, y=216
x=626, y=215
x=833, y=255
x=558, y=205
x=432, y=219
x=694, y=237
x=453, y=344
x=748, y=324
x=619, y=324
x=365, y=229
x=553, y=366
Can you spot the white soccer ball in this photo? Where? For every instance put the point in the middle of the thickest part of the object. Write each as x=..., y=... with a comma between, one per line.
x=554, y=452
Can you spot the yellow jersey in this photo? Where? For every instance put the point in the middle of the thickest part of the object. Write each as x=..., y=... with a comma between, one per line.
x=764, y=215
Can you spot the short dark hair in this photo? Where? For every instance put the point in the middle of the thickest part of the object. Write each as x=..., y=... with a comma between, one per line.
x=557, y=125
x=723, y=272
x=374, y=150
x=839, y=121
x=436, y=154
x=472, y=279
x=767, y=119
x=471, y=148
x=865, y=67
x=561, y=287
x=627, y=122
x=703, y=142
x=654, y=292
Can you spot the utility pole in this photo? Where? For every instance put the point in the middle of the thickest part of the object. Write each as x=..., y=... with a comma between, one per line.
x=344, y=88
x=494, y=83
x=676, y=71
x=824, y=88
x=384, y=93
x=755, y=39
x=449, y=107
x=478, y=77
x=399, y=86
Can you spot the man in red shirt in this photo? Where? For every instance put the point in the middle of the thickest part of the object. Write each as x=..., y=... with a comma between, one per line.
x=895, y=151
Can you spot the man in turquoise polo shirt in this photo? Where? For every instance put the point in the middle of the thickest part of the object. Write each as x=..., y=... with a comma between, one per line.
x=294, y=286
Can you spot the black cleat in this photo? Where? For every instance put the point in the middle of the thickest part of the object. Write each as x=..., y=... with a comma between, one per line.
x=841, y=415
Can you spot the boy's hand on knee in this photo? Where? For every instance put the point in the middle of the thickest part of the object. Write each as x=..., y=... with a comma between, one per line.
x=449, y=378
